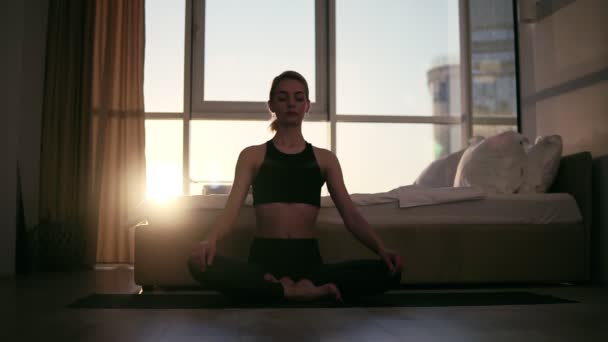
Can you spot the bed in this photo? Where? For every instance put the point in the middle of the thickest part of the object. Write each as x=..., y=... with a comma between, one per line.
x=519, y=238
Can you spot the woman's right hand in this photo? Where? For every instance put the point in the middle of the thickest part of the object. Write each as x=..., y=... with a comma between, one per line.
x=203, y=253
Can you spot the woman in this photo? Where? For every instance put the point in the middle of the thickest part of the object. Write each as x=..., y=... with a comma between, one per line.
x=286, y=174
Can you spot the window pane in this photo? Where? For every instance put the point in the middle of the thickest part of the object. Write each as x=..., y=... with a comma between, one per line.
x=163, y=158
x=215, y=147
x=490, y=130
x=248, y=43
x=446, y=139
x=397, y=57
x=390, y=155
x=493, y=58
x=164, y=60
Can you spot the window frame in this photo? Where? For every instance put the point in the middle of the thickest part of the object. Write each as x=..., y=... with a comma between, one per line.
x=324, y=108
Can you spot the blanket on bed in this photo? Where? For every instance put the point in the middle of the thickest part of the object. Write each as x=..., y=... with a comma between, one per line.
x=407, y=196
x=414, y=196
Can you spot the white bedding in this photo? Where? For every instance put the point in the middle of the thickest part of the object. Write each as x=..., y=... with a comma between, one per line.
x=493, y=209
x=385, y=208
x=413, y=196
x=407, y=196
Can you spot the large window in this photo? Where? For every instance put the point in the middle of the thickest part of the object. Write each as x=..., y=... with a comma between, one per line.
x=390, y=88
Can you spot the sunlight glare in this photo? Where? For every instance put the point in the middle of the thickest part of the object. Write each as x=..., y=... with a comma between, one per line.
x=163, y=183
x=213, y=172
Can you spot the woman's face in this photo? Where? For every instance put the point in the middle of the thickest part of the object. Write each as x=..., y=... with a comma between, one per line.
x=289, y=102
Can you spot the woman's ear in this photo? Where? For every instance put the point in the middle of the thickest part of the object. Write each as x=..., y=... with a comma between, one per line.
x=307, y=109
x=270, y=106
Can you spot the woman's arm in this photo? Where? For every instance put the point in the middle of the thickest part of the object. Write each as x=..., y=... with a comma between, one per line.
x=243, y=176
x=203, y=252
x=353, y=220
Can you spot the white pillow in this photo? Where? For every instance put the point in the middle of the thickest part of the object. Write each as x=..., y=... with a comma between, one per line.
x=440, y=173
x=496, y=164
x=543, y=162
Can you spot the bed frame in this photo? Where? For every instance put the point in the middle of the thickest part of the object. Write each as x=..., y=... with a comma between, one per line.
x=432, y=253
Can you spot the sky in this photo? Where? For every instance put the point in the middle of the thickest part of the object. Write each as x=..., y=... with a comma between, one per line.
x=384, y=49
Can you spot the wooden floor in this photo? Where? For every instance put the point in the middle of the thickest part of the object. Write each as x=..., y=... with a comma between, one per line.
x=33, y=308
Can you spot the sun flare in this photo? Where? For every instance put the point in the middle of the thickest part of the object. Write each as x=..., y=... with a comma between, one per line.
x=163, y=183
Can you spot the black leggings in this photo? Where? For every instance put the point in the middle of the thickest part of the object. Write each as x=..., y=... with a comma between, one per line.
x=296, y=259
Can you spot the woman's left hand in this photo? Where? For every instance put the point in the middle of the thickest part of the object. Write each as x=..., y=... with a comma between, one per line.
x=392, y=260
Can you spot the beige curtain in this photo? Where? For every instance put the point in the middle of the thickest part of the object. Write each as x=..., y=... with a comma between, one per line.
x=62, y=239
x=118, y=124
x=92, y=152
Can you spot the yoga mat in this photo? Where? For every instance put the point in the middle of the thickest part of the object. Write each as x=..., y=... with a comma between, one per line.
x=390, y=299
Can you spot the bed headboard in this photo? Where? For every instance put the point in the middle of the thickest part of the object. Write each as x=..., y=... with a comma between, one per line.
x=574, y=177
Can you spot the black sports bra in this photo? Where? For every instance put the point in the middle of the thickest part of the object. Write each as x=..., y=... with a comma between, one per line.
x=290, y=178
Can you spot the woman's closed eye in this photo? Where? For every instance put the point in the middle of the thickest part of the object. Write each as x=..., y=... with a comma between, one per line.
x=285, y=98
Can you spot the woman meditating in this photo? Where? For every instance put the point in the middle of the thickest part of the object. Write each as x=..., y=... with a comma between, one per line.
x=286, y=174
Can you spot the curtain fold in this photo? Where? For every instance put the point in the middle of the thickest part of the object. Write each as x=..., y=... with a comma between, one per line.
x=92, y=148
x=63, y=239
x=118, y=124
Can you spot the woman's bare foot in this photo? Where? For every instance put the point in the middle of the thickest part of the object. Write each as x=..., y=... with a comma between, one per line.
x=305, y=290
x=269, y=277
x=286, y=281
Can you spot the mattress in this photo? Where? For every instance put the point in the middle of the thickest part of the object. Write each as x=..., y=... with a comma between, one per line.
x=544, y=208
x=493, y=209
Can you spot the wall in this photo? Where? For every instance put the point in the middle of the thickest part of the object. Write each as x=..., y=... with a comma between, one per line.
x=28, y=153
x=564, y=86
x=564, y=67
x=23, y=37
x=12, y=40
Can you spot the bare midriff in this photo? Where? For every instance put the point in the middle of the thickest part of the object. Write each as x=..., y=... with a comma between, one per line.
x=286, y=220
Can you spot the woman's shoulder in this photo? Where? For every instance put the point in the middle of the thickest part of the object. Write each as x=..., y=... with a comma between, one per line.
x=324, y=156
x=253, y=152
x=254, y=148
x=321, y=150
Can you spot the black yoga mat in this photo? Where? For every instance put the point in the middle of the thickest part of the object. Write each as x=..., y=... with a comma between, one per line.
x=390, y=299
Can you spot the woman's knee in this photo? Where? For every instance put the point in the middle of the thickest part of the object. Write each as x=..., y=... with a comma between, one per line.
x=194, y=265
x=377, y=266
x=383, y=271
